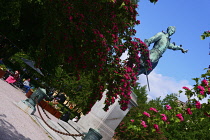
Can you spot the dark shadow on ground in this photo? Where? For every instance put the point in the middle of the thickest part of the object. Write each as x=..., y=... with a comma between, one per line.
x=8, y=131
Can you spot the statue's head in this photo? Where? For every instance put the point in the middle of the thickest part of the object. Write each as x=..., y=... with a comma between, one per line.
x=171, y=30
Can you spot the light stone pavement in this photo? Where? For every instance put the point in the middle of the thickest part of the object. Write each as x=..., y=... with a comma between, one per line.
x=15, y=124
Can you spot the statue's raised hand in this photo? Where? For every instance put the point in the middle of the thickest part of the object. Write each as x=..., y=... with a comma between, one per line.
x=184, y=51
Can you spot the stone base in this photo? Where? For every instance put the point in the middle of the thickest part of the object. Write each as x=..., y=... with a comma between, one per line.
x=105, y=121
x=96, y=124
x=26, y=107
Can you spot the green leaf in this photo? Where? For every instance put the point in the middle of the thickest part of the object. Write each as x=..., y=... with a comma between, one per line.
x=153, y=130
x=195, y=79
x=200, y=96
x=202, y=37
x=123, y=4
x=140, y=114
x=177, y=120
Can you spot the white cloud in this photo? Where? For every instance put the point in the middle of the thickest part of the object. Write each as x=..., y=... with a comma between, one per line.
x=161, y=85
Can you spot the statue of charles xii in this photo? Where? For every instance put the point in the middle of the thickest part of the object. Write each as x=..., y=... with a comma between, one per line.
x=161, y=42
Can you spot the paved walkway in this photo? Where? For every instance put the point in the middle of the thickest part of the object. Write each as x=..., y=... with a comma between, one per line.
x=15, y=124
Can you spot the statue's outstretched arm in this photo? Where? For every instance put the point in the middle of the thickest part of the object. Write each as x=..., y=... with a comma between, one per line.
x=175, y=47
x=153, y=39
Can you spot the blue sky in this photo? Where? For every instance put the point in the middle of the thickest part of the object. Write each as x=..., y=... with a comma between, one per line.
x=175, y=69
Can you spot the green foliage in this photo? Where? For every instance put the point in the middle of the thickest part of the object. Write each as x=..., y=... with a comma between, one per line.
x=205, y=34
x=10, y=11
x=3, y=67
x=194, y=114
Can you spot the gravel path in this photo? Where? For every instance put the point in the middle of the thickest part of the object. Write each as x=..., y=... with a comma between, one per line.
x=14, y=123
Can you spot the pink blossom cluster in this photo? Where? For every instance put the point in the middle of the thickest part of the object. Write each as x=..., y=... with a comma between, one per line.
x=143, y=123
x=198, y=104
x=153, y=109
x=202, y=89
x=189, y=111
x=168, y=107
x=164, y=117
x=146, y=114
x=186, y=88
x=156, y=127
x=180, y=117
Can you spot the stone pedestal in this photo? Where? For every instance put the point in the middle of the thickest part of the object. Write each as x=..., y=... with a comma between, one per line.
x=26, y=107
x=105, y=122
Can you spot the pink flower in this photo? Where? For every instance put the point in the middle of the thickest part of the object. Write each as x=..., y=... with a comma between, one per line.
x=205, y=82
x=128, y=69
x=208, y=90
x=70, y=18
x=164, y=118
x=189, y=111
x=132, y=120
x=202, y=92
x=201, y=88
x=116, y=47
x=101, y=35
x=206, y=114
x=186, y=88
x=153, y=109
x=143, y=124
x=147, y=114
x=138, y=22
x=168, y=107
x=198, y=104
x=180, y=117
x=156, y=127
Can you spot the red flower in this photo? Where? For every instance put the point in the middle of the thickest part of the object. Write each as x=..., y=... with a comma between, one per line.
x=143, y=124
x=189, y=111
x=201, y=88
x=202, y=92
x=207, y=114
x=132, y=120
x=208, y=90
x=147, y=114
x=138, y=22
x=180, y=117
x=186, y=88
x=205, y=82
x=164, y=118
x=156, y=127
x=168, y=107
x=153, y=109
x=198, y=104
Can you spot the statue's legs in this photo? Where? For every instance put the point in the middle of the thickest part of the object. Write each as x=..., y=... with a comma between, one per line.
x=143, y=70
x=154, y=55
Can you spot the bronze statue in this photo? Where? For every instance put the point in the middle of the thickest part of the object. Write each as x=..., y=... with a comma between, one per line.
x=161, y=42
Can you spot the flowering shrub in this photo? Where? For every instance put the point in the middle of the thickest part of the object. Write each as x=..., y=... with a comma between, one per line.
x=173, y=118
x=84, y=40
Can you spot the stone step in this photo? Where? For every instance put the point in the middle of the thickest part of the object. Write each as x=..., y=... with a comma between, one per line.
x=52, y=133
x=57, y=127
x=72, y=128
